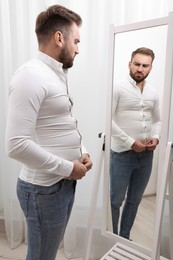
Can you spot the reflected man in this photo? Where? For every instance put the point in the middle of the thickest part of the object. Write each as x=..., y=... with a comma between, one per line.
x=135, y=135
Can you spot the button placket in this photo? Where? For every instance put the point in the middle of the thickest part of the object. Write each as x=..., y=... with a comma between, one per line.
x=144, y=125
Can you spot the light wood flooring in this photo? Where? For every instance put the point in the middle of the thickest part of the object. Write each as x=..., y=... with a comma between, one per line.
x=143, y=229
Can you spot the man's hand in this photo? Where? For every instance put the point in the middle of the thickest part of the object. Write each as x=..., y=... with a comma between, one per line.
x=85, y=159
x=139, y=146
x=80, y=167
x=79, y=171
x=151, y=144
x=148, y=144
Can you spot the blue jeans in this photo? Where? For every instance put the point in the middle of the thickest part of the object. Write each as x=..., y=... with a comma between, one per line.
x=47, y=210
x=129, y=175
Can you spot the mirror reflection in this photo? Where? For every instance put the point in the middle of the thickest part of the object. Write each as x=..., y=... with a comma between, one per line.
x=134, y=137
x=136, y=108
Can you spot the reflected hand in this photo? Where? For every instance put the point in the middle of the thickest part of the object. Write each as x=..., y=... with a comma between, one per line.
x=139, y=146
x=151, y=144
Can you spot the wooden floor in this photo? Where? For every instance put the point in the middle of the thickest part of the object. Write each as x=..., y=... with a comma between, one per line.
x=143, y=229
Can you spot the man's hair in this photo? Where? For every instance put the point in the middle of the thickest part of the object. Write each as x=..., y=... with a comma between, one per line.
x=55, y=18
x=144, y=51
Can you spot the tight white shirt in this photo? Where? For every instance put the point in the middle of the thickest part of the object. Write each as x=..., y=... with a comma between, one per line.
x=135, y=114
x=41, y=132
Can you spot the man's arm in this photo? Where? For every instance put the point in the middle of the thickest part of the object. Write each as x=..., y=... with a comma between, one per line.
x=116, y=131
x=25, y=100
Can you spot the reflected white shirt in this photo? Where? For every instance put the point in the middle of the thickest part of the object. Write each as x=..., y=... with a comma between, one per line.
x=135, y=114
x=41, y=131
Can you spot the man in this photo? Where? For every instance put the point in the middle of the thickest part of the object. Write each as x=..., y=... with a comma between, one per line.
x=135, y=135
x=43, y=135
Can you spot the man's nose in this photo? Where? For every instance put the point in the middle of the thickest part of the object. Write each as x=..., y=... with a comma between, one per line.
x=77, y=50
x=140, y=68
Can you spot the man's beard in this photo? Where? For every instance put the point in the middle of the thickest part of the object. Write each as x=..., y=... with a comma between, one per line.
x=66, y=59
x=136, y=78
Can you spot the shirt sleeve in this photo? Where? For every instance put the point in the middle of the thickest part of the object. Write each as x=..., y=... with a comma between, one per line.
x=117, y=132
x=25, y=98
x=84, y=150
x=156, y=120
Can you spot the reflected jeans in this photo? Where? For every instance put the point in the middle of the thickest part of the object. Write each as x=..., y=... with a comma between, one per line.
x=129, y=175
x=47, y=210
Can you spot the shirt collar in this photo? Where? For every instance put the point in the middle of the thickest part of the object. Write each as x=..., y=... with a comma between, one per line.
x=54, y=64
x=133, y=82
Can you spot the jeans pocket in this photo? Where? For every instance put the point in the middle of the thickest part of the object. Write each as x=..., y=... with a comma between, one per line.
x=23, y=198
x=50, y=190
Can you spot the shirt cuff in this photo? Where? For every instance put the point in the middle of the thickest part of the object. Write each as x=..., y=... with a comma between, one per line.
x=65, y=168
x=84, y=150
x=156, y=136
x=129, y=142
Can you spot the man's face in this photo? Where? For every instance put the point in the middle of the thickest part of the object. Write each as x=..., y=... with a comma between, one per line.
x=70, y=48
x=140, y=66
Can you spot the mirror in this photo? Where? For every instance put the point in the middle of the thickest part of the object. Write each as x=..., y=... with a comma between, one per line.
x=144, y=221
x=124, y=40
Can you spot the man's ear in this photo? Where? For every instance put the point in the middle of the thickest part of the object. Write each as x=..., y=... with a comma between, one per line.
x=58, y=38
